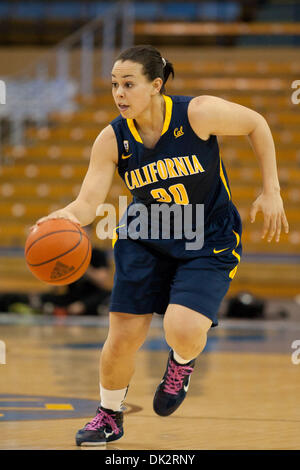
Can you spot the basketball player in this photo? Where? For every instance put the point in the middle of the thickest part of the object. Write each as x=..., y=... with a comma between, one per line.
x=166, y=151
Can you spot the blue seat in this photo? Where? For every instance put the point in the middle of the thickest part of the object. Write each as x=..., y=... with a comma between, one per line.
x=263, y=41
x=147, y=11
x=66, y=10
x=98, y=8
x=282, y=12
x=29, y=10
x=5, y=10
x=216, y=11
x=179, y=11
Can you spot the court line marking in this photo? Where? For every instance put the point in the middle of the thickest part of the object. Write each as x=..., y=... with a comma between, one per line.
x=20, y=399
x=47, y=407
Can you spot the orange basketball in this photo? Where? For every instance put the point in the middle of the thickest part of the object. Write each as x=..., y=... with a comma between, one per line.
x=58, y=251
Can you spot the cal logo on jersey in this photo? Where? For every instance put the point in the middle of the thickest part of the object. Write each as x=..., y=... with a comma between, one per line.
x=178, y=132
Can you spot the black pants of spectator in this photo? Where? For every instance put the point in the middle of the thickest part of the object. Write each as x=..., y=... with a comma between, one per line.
x=91, y=300
x=83, y=291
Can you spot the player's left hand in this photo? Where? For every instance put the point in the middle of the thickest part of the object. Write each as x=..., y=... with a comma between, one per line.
x=271, y=205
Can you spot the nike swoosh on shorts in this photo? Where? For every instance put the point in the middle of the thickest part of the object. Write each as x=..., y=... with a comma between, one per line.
x=219, y=251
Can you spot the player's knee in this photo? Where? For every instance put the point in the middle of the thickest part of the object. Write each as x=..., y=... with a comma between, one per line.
x=121, y=344
x=185, y=336
x=127, y=338
x=185, y=324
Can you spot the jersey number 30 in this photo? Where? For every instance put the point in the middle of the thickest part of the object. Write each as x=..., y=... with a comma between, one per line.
x=176, y=193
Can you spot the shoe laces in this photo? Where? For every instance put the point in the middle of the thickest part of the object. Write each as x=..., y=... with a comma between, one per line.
x=175, y=376
x=101, y=419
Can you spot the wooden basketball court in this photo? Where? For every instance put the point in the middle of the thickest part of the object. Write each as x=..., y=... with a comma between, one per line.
x=244, y=393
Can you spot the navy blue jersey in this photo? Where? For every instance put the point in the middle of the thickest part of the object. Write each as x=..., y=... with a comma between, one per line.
x=184, y=171
x=181, y=169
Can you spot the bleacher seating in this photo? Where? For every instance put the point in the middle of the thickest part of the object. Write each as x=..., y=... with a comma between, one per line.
x=152, y=11
x=41, y=22
x=276, y=11
x=204, y=10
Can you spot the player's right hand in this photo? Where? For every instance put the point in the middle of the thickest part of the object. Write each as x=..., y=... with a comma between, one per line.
x=59, y=214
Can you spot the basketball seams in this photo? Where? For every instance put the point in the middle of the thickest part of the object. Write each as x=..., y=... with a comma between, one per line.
x=73, y=272
x=58, y=256
x=48, y=235
x=79, y=229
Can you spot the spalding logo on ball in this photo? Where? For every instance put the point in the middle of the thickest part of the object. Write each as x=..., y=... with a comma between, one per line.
x=58, y=251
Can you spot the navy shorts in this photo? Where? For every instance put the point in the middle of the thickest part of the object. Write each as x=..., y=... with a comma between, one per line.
x=147, y=279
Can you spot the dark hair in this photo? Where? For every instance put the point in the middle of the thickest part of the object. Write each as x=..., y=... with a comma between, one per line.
x=154, y=65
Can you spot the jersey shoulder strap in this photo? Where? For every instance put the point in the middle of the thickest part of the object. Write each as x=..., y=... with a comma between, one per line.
x=118, y=127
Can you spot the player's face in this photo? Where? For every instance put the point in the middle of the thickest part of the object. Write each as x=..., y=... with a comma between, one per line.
x=131, y=89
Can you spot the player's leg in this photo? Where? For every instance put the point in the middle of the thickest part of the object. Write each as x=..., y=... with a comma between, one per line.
x=186, y=334
x=139, y=289
x=186, y=331
x=127, y=333
x=197, y=290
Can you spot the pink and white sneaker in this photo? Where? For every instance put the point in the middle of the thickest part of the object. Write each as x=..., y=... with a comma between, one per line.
x=173, y=388
x=107, y=426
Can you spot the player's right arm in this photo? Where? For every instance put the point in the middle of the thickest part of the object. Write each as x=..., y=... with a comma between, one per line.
x=96, y=184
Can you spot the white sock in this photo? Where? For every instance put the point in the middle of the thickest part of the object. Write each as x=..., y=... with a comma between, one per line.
x=112, y=399
x=179, y=359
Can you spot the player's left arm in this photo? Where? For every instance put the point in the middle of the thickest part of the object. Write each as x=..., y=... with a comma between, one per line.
x=210, y=115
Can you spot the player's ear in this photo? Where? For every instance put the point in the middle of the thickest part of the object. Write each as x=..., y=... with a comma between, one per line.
x=157, y=84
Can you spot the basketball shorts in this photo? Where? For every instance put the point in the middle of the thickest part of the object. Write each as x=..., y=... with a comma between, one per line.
x=147, y=280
